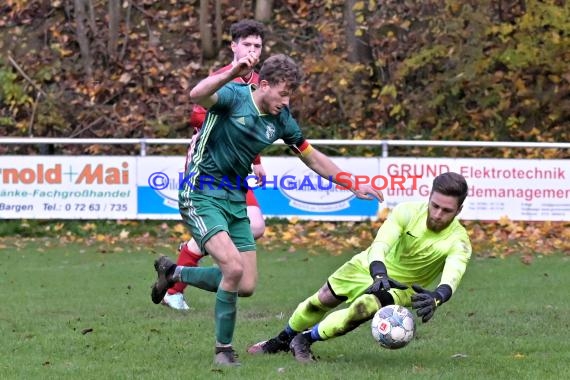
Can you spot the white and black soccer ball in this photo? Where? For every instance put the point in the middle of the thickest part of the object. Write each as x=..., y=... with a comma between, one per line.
x=393, y=326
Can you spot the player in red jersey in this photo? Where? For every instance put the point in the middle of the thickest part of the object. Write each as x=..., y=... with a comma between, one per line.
x=247, y=37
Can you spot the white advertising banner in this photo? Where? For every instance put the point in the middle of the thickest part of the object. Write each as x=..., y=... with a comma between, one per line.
x=515, y=188
x=294, y=190
x=291, y=190
x=158, y=181
x=63, y=187
x=117, y=187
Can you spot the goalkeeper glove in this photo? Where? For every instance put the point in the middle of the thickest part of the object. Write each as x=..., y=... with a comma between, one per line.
x=425, y=301
x=381, y=280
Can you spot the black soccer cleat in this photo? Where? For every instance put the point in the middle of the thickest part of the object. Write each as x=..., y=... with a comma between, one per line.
x=271, y=346
x=164, y=269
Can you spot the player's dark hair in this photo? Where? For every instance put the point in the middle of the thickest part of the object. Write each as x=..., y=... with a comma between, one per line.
x=451, y=184
x=246, y=28
x=281, y=68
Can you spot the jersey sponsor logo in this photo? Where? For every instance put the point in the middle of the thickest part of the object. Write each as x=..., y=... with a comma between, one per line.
x=270, y=131
x=241, y=120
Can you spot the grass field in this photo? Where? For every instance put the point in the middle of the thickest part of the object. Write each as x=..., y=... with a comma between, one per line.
x=74, y=312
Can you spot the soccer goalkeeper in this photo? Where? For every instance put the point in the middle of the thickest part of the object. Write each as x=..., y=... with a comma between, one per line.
x=416, y=244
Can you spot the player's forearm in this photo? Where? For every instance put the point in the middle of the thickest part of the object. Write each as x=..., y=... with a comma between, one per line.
x=377, y=251
x=204, y=92
x=324, y=166
x=454, y=268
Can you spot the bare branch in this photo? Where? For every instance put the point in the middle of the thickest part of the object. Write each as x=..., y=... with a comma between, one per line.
x=26, y=77
x=90, y=125
x=32, y=118
x=141, y=10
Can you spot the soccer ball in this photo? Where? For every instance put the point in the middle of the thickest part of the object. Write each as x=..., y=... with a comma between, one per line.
x=393, y=326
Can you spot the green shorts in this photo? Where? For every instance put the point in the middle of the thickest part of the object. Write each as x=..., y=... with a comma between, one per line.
x=207, y=215
x=352, y=279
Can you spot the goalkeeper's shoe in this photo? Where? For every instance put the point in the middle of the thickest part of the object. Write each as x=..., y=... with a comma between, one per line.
x=301, y=349
x=271, y=346
x=164, y=269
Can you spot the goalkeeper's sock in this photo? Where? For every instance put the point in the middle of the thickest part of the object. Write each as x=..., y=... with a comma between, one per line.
x=287, y=334
x=312, y=335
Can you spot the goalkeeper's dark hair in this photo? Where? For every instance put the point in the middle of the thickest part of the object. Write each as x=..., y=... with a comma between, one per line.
x=246, y=28
x=281, y=68
x=451, y=184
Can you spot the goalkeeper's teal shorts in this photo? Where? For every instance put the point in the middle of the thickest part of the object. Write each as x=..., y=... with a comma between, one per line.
x=352, y=279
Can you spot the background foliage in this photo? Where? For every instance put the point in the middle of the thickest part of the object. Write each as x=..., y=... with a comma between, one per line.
x=432, y=69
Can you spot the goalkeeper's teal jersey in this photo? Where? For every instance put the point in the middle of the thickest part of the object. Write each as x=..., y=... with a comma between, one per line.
x=415, y=255
x=233, y=133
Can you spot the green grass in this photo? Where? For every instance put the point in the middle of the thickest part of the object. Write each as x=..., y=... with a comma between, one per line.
x=508, y=320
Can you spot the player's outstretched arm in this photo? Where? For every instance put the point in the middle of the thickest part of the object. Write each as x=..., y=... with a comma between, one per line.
x=326, y=168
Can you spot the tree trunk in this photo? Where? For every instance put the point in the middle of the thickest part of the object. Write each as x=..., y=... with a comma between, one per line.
x=114, y=20
x=219, y=24
x=263, y=10
x=357, y=38
x=208, y=50
x=81, y=35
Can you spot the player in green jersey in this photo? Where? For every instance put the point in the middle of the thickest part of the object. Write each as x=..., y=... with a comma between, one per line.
x=241, y=121
x=418, y=243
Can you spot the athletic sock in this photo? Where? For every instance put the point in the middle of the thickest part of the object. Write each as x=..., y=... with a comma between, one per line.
x=206, y=278
x=312, y=335
x=225, y=314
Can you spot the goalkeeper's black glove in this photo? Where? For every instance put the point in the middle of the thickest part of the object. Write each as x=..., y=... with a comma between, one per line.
x=425, y=301
x=381, y=280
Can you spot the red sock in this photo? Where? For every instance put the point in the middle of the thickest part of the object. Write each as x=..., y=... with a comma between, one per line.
x=186, y=258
